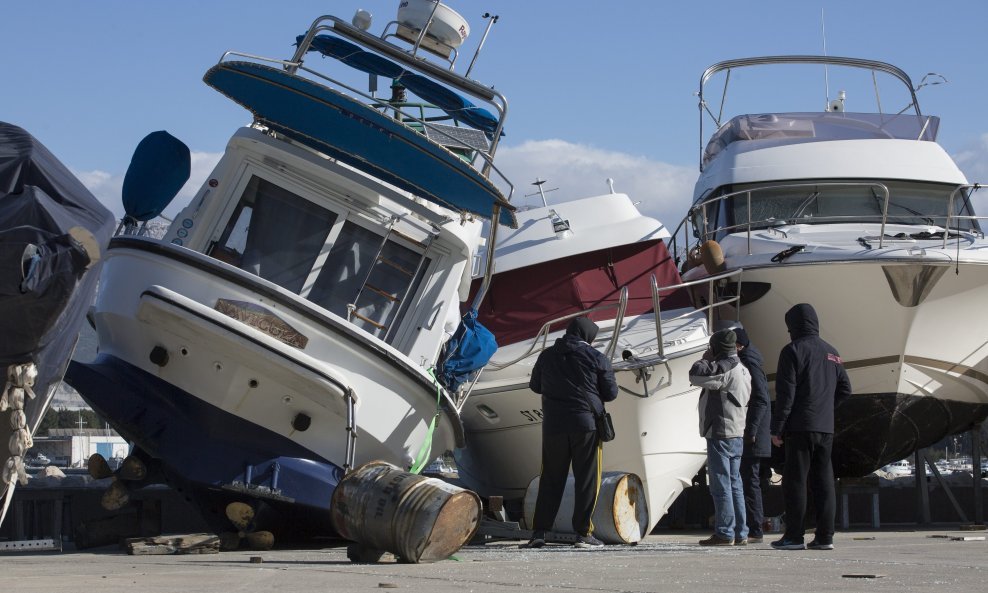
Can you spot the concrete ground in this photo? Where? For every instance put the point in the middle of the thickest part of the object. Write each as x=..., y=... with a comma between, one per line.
x=874, y=561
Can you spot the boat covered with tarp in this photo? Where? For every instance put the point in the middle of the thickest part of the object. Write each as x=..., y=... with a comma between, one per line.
x=52, y=232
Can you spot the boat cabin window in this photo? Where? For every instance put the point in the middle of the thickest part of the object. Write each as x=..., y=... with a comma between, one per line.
x=911, y=203
x=361, y=274
x=368, y=278
x=275, y=234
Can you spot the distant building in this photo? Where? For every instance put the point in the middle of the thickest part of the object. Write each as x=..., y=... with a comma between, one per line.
x=72, y=447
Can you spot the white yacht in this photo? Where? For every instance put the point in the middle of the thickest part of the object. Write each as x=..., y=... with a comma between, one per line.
x=899, y=468
x=596, y=256
x=859, y=212
x=286, y=327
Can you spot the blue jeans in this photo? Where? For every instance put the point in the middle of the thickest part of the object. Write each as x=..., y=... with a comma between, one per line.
x=724, y=472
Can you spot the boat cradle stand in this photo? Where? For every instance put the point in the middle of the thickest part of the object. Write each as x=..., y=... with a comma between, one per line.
x=866, y=485
x=495, y=526
x=36, y=511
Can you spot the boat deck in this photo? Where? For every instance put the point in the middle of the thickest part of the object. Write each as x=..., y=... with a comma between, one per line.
x=901, y=561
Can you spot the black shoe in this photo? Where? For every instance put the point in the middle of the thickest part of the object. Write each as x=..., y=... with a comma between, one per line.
x=588, y=541
x=755, y=539
x=788, y=544
x=815, y=545
x=716, y=540
x=537, y=541
x=740, y=541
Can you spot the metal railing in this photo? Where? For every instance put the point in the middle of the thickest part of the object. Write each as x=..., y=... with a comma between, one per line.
x=351, y=431
x=621, y=306
x=768, y=223
x=730, y=65
x=400, y=113
x=712, y=303
x=409, y=60
x=714, y=299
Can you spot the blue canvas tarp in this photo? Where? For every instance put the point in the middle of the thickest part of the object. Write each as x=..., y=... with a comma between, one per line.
x=470, y=348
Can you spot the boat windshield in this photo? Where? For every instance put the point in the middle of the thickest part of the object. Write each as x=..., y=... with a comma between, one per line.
x=355, y=271
x=909, y=203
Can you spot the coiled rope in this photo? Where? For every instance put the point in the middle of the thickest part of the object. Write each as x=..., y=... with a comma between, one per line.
x=20, y=381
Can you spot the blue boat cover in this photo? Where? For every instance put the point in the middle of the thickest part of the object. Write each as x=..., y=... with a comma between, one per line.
x=159, y=168
x=353, y=56
x=470, y=348
x=358, y=135
x=458, y=107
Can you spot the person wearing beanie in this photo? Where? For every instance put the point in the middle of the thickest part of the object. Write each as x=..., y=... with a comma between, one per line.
x=757, y=435
x=725, y=389
x=575, y=380
x=810, y=381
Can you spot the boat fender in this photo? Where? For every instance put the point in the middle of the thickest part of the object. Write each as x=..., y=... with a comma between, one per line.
x=712, y=256
x=20, y=383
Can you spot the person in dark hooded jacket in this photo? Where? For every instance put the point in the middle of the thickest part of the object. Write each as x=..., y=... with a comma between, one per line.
x=810, y=382
x=574, y=380
x=757, y=434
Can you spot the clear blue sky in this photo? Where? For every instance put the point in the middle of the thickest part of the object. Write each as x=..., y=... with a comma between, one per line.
x=612, y=82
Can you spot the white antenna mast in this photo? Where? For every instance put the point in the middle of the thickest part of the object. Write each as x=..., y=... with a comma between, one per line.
x=826, y=73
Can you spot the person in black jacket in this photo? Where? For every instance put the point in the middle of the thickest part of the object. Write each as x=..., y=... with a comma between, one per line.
x=810, y=382
x=757, y=435
x=574, y=380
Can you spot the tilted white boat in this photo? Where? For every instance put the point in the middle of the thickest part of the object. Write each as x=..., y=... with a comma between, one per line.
x=598, y=256
x=866, y=217
x=286, y=327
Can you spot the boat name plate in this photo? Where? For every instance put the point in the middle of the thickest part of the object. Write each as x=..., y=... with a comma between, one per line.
x=262, y=320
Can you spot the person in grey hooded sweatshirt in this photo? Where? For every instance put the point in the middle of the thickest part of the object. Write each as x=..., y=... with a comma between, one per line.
x=726, y=387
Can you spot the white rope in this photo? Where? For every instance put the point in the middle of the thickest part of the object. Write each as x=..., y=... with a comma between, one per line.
x=20, y=381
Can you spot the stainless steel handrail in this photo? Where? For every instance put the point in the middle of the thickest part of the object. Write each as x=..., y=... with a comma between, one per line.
x=409, y=60
x=543, y=333
x=686, y=222
x=950, y=214
x=950, y=208
x=351, y=432
x=487, y=156
x=711, y=305
x=730, y=65
x=622, y=304
x=747, y=225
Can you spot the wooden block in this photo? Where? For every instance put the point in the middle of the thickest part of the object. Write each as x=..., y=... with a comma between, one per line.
x=197, y=543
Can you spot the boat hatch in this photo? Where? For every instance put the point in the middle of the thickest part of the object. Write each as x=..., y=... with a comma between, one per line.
x=364, y=273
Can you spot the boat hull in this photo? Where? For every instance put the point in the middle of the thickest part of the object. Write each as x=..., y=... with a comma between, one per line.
x=208, y=454
x=52, y=233
x=180, y=326
x=657, y=435
x=918, y=364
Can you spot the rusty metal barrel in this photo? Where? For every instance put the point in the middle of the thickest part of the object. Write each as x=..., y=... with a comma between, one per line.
x=417, y=519
x=621, y=514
